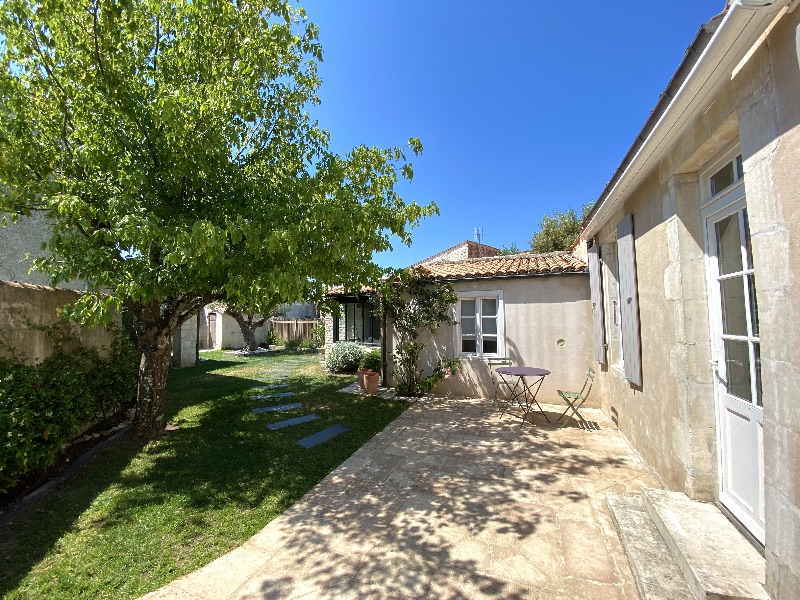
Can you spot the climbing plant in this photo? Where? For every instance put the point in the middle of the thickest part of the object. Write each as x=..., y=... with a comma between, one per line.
x=415, y=304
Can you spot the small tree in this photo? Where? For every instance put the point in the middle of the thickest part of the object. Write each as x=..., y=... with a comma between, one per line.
x=559, y=230
x=512, y=249
x=415, y=304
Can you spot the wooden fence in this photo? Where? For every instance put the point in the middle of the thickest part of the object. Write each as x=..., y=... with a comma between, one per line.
x=295, y=329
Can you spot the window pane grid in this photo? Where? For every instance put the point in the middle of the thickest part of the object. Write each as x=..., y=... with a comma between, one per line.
x=479, y=325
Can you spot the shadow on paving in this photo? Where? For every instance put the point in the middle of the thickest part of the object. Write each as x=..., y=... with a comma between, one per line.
x=203, y=463
x=452, y=504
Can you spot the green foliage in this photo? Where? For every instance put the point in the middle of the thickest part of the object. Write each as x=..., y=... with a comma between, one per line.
x=344, y=357
x=272, y=338
x=372, y=361
x=512, y=249
x=309, y=344
x=291, y=344
x=319, y=334
x=559, y=230
x=42, y=406
x=415, y=304
x=171, y=145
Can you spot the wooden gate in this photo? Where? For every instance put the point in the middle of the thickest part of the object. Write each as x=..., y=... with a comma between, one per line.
x=295, y=329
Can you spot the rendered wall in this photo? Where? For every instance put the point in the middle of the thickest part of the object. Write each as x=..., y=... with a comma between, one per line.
x=21, y=303
x=20, y=243
x=547, y=325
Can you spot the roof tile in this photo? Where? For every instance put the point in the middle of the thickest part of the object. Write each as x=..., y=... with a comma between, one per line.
x=510, y=265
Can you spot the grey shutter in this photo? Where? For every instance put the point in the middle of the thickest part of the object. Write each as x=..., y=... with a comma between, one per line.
x=629, y=301
x=596, y=289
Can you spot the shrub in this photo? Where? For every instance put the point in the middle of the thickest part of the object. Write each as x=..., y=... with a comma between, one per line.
x=42, y=406
x=344, y=357
x=308, y=345
x=372, y=361
x=291, y=344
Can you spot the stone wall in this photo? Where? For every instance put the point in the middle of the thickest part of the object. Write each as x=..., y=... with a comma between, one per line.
x=21, y=303
x=671, y=418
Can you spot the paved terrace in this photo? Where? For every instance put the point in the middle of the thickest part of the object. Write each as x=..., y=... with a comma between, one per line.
x=449, y=501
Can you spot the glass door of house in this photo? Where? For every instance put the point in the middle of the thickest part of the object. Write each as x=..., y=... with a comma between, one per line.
x=737, y=361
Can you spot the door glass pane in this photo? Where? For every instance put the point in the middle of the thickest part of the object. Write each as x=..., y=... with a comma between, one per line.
x=489, y=326
x=467, y=325
x=757, y=348
x=739, y=168
x=751, y=291
x=734, y=315
x=489, y=307
x=747, y=240
x=468, y=345
x=737, y=362
x=468, y=308
x=722, y=179
x=729, y=245
x=490, y=345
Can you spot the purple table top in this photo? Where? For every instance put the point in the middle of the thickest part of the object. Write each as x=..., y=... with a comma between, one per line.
x=523, y=371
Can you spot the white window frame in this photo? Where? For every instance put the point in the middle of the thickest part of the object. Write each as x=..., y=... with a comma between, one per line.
x=501, y=329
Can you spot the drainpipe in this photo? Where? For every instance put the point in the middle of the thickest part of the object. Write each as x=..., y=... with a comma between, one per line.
x=384, y=361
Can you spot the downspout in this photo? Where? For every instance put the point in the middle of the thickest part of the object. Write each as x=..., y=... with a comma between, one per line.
x=384, y=357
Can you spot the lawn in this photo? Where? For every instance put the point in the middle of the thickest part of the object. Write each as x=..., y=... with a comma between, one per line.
x=141, y=514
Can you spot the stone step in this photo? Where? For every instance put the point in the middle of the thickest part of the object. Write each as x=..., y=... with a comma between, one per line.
x=656, y=574
x=717, y=562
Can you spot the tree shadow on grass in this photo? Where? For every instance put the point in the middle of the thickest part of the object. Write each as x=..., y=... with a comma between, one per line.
x=220, y=459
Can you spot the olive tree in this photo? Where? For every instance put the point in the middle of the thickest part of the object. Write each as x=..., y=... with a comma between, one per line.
x=170, y=144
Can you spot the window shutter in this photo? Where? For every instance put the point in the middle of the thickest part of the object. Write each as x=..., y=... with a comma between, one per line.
x=629, y=301
x=596, y=288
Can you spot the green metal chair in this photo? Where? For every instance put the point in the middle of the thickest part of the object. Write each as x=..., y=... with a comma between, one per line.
x=497, y=381
x=575, y=400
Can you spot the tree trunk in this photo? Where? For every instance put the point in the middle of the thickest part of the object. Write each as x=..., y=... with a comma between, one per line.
x=153, y=371
x=248, y=328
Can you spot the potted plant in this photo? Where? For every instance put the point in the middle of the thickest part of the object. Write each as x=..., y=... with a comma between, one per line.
x=372, y=380
x=370, y=363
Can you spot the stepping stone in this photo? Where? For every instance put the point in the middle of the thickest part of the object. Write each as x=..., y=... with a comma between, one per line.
x=272, y=386
x=290, y=422
x=322, y=436
x=267, y=396
x=277, y=408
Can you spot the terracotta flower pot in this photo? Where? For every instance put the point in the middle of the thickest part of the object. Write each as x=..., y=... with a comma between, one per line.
x=361, y=374
x=372, y=380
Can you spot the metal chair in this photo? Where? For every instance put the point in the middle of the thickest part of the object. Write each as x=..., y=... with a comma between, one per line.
x=497, y=381
x=575, y=400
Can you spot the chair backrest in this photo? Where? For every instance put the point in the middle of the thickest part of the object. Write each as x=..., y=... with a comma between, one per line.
x=587, y=385
x=493, y=363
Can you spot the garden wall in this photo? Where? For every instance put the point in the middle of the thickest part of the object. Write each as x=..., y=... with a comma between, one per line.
x=23, y=304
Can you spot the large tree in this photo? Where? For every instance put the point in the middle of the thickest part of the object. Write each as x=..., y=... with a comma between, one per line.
x=169, y=143
x=559, y=230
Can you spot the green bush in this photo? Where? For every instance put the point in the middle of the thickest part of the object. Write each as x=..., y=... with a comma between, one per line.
x=308, y=345
x=291, y=344
x=372, y=361
x=344, y=357
x=42, y=406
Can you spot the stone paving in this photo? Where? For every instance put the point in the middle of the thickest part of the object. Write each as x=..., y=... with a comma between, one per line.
x=449, y=501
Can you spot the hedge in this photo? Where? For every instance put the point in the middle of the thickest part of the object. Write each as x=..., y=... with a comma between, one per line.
x=42, y=407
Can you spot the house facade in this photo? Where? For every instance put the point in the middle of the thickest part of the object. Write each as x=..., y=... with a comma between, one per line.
x=692, y=251
x=531, y=308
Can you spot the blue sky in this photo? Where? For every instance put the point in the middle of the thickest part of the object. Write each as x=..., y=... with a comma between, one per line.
x=522, y=107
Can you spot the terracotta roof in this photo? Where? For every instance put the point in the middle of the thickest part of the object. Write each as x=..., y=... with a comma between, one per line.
x=510, y=265
x=474, y=250
x=34, y=286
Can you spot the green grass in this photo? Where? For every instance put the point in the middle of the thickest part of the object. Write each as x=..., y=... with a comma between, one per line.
x=141, y=514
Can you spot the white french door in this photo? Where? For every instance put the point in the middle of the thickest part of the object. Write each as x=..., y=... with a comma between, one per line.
x=736, y=358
